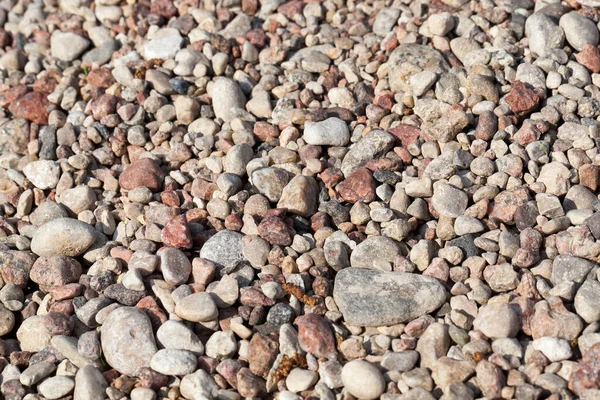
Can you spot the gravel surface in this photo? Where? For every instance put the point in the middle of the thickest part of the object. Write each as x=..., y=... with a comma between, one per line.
x=226, y=199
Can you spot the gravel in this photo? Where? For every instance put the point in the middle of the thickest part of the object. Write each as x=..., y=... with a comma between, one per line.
x=299, y=199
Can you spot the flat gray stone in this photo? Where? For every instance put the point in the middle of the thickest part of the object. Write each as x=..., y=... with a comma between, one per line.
x=566, y=268
x=377, y=298
x=373, y=250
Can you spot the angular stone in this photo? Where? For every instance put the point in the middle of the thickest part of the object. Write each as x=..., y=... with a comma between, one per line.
x=224, y=249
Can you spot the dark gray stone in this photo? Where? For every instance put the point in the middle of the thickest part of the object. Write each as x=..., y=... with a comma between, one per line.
x=467, y=244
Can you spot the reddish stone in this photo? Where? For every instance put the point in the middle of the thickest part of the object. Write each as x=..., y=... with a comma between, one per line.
x=527, y=134
x=416, y=327
x=252, y=297
x=589, y=57
x=551, y=318
x=68, y=291
x=265, y=131
x=8, y=97
x=20, y=358
x=384, y=164
x=58, y=323
x=331, y=177
x=170, y=198
x=315, y=336
x=32, y=106
x=100, y=78
x=46, y=84
x=103, y=106
x=506, y=203
x=121, y=253
x=164, y=8
x=262, y=352
x=154, y=312
x=358, y=187
x=143, y=172
x=587, y=372
x=274, y=231
x=55, y=271
x=249, y=7
x=384, y=100
x=234, y=222
x=203, y=189
x=149, y=378
x=250, y=385
x=228, y=369
x=291, y=8
x=407, y=134
x=177, y=233
x=588, y=176
x=522, y=99
x=257, y=37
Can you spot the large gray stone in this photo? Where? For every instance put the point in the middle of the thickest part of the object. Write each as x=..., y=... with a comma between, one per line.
x=409, y=59
x=566, y=268
x=224, y=249
x=376, y=298
x=127, y=340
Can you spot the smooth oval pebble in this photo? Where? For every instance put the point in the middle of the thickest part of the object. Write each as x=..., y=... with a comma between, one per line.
x=363, y=380
x=63, y=236
x=56, y=387
x=174, y=362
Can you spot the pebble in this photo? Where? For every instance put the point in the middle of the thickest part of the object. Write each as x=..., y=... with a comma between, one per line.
x=227, y=98
x=165, y=43
x=555, y=349
x=127, y=340
x=44, y=174
x=175, y=335
x=56, y=387
x=363, y=380
x=67, y=46
x=449, y=200
x=63, y=237
x=197, y=307
x=579, y=30
x=391, y=298
x=330, y=132
x=224, y=249
x=173, y=362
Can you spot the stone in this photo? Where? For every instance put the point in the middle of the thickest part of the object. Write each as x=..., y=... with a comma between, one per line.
x=449, y=200
x=224, y=249
x=363, y=380
x=566, y=268
x=385, y=20
x=197, y=307
x=543, y=33
x=56, y=387
x=299, y=196
x=55, y=271
x=579, y=30
x=497, y=320
x=127, y=340
x=143, y=172
x=270, y=182
x=174, y=362
x=359, y=186
x=226, y=98
x=555, y=349
x=315, y=335
x=376, y=298
x=175, y=335
x=409, y=59
x=372, y=146
x=175, y=266
x=165, y=43
x=177, y=233
x=44, y=174
x=586, y=301
x=301, y=379
x=378, y=248
x=78, y=199
x=63, y=236
x=198, y=386
x=329, y=132
x=67, y=46
x=90, y=384
x=555, y=176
